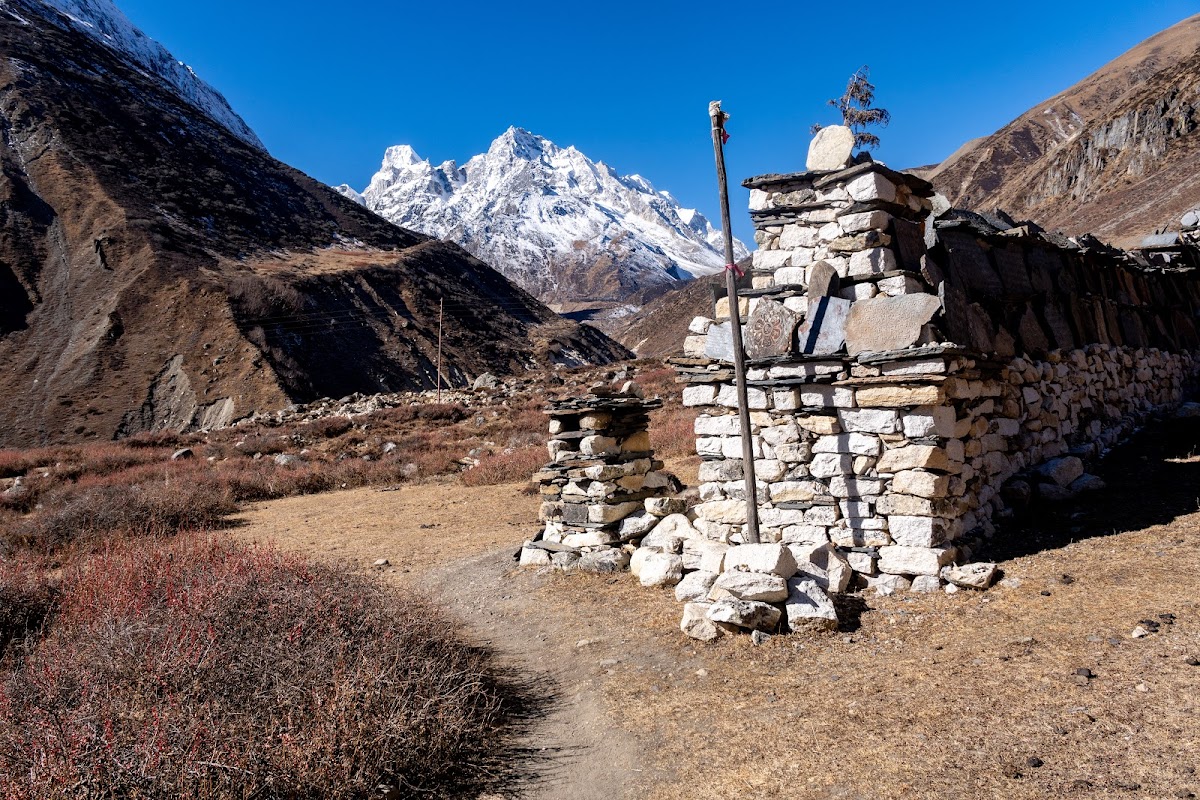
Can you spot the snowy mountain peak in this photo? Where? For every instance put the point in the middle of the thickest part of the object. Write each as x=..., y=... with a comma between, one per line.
x=400, y=156
x=103, y=21
x=564, y=227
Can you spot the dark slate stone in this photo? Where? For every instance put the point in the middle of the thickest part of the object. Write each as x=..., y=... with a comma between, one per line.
x=1033, y=339
x=969, y=267
x=910, y=243
x=823, y=280
x=1010, y=264
x=1056, y=322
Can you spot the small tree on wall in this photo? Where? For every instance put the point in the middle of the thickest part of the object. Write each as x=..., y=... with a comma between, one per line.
x=856, y=110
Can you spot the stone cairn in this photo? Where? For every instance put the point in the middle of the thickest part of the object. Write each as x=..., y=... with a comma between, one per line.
x=603, y=487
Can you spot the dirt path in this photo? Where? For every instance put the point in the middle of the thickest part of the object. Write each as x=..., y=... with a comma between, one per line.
x=970, y=695
x=456, y=544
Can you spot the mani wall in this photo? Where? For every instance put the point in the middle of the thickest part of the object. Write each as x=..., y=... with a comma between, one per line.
x=914, y=373
x=908, y=361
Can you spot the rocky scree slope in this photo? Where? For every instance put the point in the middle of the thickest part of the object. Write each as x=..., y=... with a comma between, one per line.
x=158, y=272
x=1118, y=154
x=566, y=228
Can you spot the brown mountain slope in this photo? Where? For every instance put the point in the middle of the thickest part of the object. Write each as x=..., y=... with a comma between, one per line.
x=1118, y=154
x=157, y=272
x=659, y=328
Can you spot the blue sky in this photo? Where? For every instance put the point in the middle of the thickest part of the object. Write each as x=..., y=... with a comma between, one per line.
x=328, y=86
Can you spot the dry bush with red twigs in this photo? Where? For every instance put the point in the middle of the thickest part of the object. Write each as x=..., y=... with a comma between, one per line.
x=206, y=670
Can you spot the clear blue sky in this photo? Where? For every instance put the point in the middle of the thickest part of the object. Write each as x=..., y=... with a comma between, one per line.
x=328, y=86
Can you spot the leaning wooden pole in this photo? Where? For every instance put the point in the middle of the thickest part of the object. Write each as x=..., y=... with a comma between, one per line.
x=718, y=117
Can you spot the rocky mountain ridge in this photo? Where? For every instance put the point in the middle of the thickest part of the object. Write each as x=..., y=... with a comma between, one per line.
x=565, y=228
x=158, y=272
x=104, y=22
x=1117, y=154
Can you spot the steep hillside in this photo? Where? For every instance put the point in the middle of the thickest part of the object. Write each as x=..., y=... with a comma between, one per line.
x=570, y=230
x=659, y=328
x=1118, y=154
x=158, y=271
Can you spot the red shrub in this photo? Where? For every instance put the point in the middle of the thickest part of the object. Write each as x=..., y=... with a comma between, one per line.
x=510, y=466
x=209, y=671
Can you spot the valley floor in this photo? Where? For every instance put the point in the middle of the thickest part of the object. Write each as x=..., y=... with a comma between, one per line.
x=966, y=695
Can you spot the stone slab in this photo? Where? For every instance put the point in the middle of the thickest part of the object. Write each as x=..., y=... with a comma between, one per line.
x=888, y=323
x=770, y=330
x=824, y=329
x=830, y=148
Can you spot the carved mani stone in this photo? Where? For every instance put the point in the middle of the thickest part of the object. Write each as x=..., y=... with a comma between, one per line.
x=888, y=323
x=770, y=330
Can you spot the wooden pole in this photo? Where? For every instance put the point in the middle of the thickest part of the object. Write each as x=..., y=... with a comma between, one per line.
x=750, y=534
x=441, y=309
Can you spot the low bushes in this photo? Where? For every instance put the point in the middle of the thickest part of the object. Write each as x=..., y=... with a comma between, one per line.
x=514, y=464
x=206, y=670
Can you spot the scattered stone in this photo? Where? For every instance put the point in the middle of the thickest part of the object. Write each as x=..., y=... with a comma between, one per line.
x=808, y=607
x=286, y=460
x=696, y=623
x=823, y=564
x=661, y=569
x=1087, y=483
x=486, y=381
x=925, y=584
x=749, y=614
x=695, y=586
x=749, y=586
x=381, y=562
x=970, y=576
x=758, y=638
x=1062, y=471
x=534, y=557
x=182, y=453
x=1139, y=633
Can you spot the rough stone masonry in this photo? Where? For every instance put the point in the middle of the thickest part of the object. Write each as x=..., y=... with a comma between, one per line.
x=915, y=373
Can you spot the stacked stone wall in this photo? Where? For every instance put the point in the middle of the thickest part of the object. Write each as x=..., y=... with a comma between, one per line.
x=915, y=372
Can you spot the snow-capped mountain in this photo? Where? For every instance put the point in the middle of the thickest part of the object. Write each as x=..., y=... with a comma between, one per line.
x=103, y=21
x=564, y=227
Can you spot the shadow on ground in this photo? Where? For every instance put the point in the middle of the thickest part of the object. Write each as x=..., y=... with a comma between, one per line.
x=1152, y=479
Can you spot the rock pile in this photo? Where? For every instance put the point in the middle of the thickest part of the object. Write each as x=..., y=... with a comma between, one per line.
x=603, y=487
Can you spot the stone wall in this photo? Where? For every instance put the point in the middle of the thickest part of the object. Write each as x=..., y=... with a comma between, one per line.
x=917, y=371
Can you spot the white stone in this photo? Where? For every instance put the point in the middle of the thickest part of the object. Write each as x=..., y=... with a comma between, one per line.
x=604, y=513
x=865, y=221
x=925, y=584
x=726, y=425
x=826, y=465
x=749, y=614
x=704, y=555
x=598, y=445
x=696, y=624
x=885, y=585
x=534, y=557
x=638, y=524
x=770, y=260
x=755, y=398
x=660, y=569
x=699, y=325
x=808, y=607
x=971, y=576
x=916, y=531
x=869, y=420
x=925, y=421
x=729, y=512
x=603, y=562
x=759, y=200
x=824, y=564
x=694, y=586
x=844, y=487
x=857, y=443
x=865, y=263
x=797, y=491
x=704, y=394
x=796, y=236
x=824, y=396
x=659, y=507
x=872, y=186
x=805, y=534
x=900, y=284
x=900, y=560
x=831, y=149
x=759, y=586
x=790, y=276
x=769, y=558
